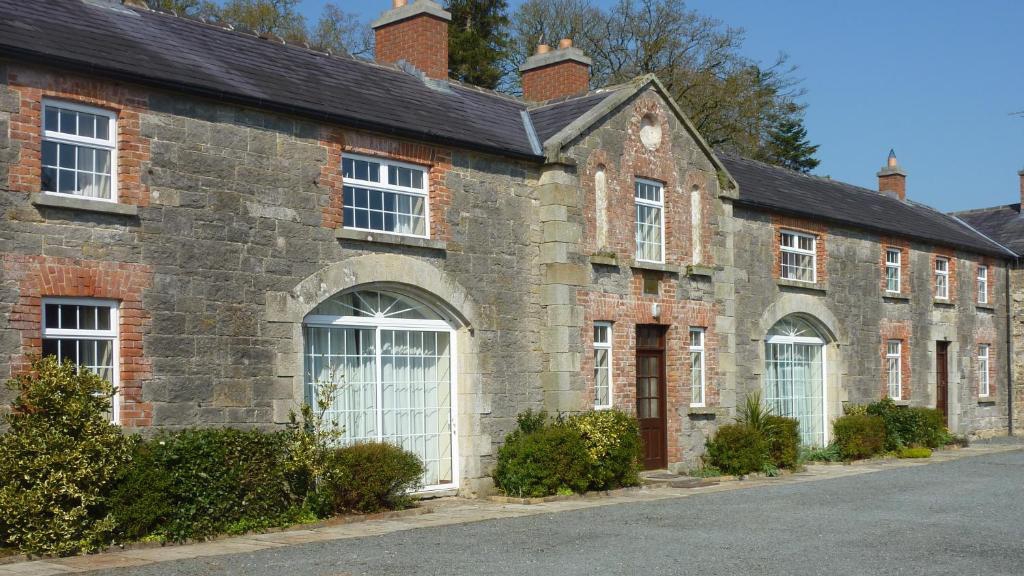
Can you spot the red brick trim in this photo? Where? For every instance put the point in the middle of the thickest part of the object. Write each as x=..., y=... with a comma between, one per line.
x=905, y=276
x=816, y=229
x=897, y=330
x=421, y=40
x=950, y=255
x=33, y=85
x=564, y=78
x=38, y=277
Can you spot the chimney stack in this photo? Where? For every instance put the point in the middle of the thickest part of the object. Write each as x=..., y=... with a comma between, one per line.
x=892, y=180
x=416, y=33
x=550, y=74
x=1020, y=173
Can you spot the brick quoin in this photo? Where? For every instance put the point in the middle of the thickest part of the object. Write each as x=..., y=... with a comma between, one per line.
x=558, y=80
x=905, y=276
x=819, y=231
x=896, y=330
x=39, y=277
x=133, y=150
x=437, y=161
x=421, y=41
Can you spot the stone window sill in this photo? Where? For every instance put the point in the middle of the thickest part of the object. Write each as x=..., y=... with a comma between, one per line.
x=716, y=411
x=670, y=268
x=393, y=239
x=944, y=303
x=700, y=270
x=905, y=403
x=986, y=402
x=73, y=203
x=985, y=307
x=896, y=296
x=604, y=259
x=815, y=287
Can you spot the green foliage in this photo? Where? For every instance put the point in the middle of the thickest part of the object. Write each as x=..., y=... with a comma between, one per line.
x=477, y=40
x=704, y=472
x=855, y=409
x=829, y=453
x=612, y=440
x=198, y=483
x=529, y=421
x=784, y=441
x=540, y=461
x=313, y=438
x=787, y=145
x=756, y=416
x=370, y=477
x=860, y=436
x=920, y=452
x=906, y=426
x=737, y=449
x=58, y=461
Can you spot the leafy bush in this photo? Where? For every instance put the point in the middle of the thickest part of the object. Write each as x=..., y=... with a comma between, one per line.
x=541, y=458
x=58, y=461
x=370, y=477
x=859, y=436
x=201, y=482
x=612, y=440
x=910, y=426
x=784, y=441
x=737, y=449
x=829, y=453
x=920, y=452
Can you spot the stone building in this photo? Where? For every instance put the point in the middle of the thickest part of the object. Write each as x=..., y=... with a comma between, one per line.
x=217, y=222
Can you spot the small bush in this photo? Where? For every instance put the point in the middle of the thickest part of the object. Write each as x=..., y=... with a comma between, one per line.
x=859, y=436
x=371, y=476
x=198, y=483
x=783, y=441
x=910, y=426
x=737, y=449
x=541, y=461
x=612, y=440
x=906, y=452
x=58, y=461
x=829, y=453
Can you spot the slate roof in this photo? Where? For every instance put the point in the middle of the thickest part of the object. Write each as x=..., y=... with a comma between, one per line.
x=187, y=55
x=550, y=118
x=1004, y=224
x=780, y=190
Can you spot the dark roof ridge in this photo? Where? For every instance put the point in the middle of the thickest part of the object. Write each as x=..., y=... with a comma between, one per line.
x=1012, y=206
x=826, y=179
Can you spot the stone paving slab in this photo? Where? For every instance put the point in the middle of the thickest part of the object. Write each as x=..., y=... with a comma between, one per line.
x=448, y=511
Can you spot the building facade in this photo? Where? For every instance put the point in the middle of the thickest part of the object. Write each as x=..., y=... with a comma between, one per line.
x=222, y=232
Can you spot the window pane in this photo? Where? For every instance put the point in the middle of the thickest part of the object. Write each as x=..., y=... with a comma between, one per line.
x=103, y=127
x=68, y=122
x=87, y=125
x=102, y=318
x=50, y=120
x=66, y=155
x=52, y=313
x=69, y=317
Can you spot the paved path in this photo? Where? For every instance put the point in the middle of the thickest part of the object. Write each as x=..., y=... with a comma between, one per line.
x=961, y=514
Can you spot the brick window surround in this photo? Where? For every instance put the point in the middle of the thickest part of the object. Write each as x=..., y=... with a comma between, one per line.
x=989, y=282
x=819, y=231
x=901, y=331
x=950, y=256
x=905, y=273
x=33, y=86
x=39, y=277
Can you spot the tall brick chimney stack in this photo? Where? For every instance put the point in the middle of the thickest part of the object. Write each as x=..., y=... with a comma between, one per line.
x=892, y=179
x=416, y=33
x=557, y=73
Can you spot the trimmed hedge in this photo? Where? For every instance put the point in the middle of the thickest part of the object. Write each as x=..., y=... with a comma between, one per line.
x=737, y=449
x=370, y=477
x=907, y=426
x=545, y=461
x=859, y=436
x=783, y=441
x=612, y=441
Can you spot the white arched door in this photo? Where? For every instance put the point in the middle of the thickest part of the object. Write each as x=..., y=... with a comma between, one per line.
x=393, y=357
x=794, y=377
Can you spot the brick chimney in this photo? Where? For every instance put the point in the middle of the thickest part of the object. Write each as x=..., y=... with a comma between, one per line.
x=416, y=33
x=892, y=180
x=557, y=73
x=1020, y=173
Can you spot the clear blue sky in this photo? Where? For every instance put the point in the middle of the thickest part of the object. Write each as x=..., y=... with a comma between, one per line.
x=935, y=80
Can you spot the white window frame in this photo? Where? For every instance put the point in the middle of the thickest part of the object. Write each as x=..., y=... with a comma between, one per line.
x=661, y=212
x=982, y=284
x=984, y=384
x=608, y=345
x=897, y=266
x=795, y=249
x=111, y=335
x=697, y=347
x=894, y=365
x=942, y=288
x=383, y=186
x=109, y=144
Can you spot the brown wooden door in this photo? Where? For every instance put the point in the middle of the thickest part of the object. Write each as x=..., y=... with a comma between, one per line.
x=942, y=378
x=650, y=395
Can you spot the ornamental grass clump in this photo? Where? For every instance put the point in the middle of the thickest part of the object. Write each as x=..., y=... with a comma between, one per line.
x=59, y=460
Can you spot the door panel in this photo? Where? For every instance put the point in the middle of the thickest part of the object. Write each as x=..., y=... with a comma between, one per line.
x=650, y=395
x=942, y=379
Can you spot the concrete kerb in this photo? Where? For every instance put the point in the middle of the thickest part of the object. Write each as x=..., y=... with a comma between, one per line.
x=454, y=510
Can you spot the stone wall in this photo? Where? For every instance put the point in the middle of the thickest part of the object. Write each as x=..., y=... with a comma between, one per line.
x=1017, y=332
x=856, y=317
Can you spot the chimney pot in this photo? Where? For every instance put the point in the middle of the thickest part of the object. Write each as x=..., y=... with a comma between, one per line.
x=565, y=43
x=543, y=49
x=416, y=33
x=555, y=74
x=892, y=180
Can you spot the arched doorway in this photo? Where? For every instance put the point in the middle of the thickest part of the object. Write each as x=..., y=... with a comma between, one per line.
x=393, y=356
x=794, y=376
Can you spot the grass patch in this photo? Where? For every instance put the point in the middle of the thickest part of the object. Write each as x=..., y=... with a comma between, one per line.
x=914, y=453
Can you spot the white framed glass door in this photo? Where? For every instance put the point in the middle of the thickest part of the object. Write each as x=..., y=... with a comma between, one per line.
x=794, y=378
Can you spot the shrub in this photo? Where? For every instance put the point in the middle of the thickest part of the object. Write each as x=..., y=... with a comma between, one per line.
x=910, y=426
x=198, y=483
x=829, y=453
x=859, y=436
x=784, y=441
x=371, y=476
x=907, y=452
x=612, y=440
x=737, y=449
x=542, y=459
x=59, y=460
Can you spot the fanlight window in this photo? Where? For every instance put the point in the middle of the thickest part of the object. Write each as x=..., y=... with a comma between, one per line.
x=375, y=304
x=794, y=381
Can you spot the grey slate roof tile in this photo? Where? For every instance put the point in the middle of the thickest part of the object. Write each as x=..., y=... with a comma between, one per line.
x=550, y=118
x=778, y=189
x=1004, y=224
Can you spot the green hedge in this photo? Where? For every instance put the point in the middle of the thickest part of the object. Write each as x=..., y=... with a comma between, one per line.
x=612, y=442
x=859, y=436
x=737, y=449
x=783, y=441
x=907, y=426
x=542, y=460
x=370, y=477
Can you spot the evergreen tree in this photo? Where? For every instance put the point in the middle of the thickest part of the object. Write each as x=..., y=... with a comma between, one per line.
x=477, y=41
x=787, y=145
